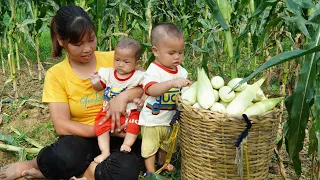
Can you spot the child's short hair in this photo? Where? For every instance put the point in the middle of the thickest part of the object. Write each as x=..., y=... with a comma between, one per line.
x=130, y=44
x=163, y=29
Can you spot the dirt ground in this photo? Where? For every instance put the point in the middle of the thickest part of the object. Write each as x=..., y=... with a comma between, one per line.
x=30, y=117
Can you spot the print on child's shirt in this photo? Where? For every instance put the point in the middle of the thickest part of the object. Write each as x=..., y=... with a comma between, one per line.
x=110, y=93
x=165, y=102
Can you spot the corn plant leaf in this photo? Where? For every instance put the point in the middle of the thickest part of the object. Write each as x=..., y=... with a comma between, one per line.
x=305, y=3
x=315, y=124
x=318, y=137
x=279, y=59
x=100, y=4
x=262, y=35
x=89, y=2
x=216, y=13
x=27, y=22
x=301, y=23
x=315, y=13
x=130, y=10
x=299, y=104
x=255, y=17
x=152, y=3
x=293, y=7
x=240, y=7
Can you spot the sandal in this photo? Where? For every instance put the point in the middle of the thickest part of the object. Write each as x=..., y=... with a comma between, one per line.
x=146, y=174
x=168, y=168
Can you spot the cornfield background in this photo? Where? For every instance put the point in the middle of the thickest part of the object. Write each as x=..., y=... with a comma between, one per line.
x=278, y=39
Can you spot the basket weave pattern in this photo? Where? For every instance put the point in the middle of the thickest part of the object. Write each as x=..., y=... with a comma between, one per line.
x=207, y=142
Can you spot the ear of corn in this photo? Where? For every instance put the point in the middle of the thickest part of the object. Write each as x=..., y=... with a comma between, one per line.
x=235, y=81
x=262, y=106
x=226, y=94
x=189, y=96
x=217, y=82
x=205, y=94
x=218, y=107
x=242, y=101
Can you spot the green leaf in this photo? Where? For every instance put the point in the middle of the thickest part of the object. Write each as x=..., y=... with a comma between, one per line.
x=27, y=22
x=305, y=3
x=315, y=13
x=293, y=7
x=318, y=137
x=253, y=19
x=271, y=24
x=301, y=23
x=281, y=58
x=100, y=4
x=128, y=8
x=216, y=13
x=315, y=124
x=299, y=104
x=297, y=164
x=7, y=139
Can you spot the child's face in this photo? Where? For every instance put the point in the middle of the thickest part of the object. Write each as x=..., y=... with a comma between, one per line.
x=125, y=60
x=169, y=51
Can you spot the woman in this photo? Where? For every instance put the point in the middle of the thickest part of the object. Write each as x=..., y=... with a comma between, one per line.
x=73, y=105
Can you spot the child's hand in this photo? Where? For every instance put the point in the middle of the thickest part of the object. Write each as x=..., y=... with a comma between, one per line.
x=95, y=78
x=179, y=82
x=139, y=102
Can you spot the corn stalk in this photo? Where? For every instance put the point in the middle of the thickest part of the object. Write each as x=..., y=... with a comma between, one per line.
x=18, y=149
x=2, y=59
x=224, y=7
x=11, y=58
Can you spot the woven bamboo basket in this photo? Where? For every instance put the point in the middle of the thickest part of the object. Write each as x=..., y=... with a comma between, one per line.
x=207, y=143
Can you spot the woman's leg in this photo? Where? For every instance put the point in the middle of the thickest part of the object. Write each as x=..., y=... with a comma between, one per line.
x=120, y=165
x=69, y=156
x=17, y=170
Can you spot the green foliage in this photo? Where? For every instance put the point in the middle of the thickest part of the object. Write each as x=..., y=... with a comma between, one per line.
x=300, y=103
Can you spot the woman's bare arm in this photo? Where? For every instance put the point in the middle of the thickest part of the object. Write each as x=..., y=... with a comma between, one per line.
x=60, y=115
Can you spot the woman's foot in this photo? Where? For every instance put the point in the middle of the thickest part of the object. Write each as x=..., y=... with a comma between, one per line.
x=32, y=174
x=101, y=158
x=125, y=148
x=14, y=170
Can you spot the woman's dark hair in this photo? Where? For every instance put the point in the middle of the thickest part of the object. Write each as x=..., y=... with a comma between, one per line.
x=70, y=24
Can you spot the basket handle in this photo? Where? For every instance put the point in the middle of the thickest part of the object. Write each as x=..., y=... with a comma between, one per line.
x=244, y=134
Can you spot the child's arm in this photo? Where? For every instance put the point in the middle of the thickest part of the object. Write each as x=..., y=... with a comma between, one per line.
x=95, y=79
x=158, y=89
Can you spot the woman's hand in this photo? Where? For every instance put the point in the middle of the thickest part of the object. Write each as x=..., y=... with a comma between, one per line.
x=117, y=107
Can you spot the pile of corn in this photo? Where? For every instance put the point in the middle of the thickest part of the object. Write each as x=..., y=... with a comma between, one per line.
x=219, y=97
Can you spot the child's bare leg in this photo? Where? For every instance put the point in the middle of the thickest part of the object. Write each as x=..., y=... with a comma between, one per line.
x=161, y=156
x=104, y=145
x=149, y=163
x=129, y=139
